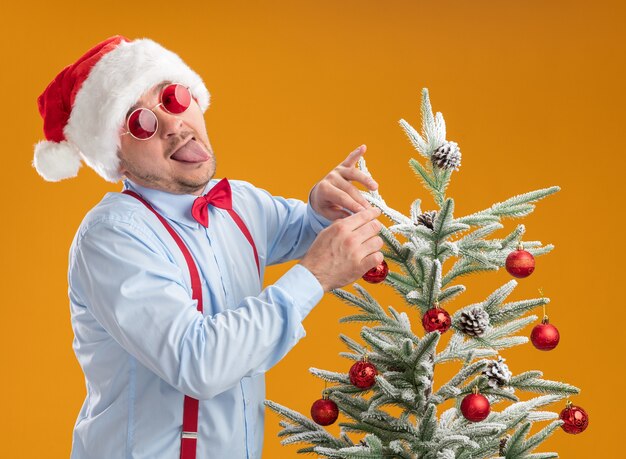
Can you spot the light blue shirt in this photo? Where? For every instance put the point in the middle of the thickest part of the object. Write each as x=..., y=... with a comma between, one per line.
x=143, y=345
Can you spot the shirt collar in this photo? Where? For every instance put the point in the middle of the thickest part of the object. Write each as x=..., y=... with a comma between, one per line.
x=175, y=207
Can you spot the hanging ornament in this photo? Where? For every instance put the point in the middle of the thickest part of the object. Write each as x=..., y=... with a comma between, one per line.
x=447, y=156
x=575, y=419
x=475, y=407
x=545, y=336
x=363, y=374
x=520, y=263
x=436, y=319
x=324, y=411
x=474, y=322
x=377, y=274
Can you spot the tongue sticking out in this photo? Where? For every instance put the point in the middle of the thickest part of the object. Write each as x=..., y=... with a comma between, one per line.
x=191, y=152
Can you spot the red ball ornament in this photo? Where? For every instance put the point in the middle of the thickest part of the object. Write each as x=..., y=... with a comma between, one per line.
x=575, y=419
x=363, y=374
x=436, y=319
x=377, y=274
x=545, y=336
x=324, y=411
x=475, y=407
x=520, y=263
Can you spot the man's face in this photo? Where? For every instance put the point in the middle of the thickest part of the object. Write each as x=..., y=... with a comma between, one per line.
x=178, y=158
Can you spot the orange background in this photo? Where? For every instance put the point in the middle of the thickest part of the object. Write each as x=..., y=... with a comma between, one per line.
x=532, y=92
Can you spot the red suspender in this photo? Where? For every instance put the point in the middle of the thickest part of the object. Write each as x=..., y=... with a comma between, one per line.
x=189, y=435
x=244, y=229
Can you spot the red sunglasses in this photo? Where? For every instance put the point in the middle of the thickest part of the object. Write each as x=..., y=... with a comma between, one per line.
x=142, y=123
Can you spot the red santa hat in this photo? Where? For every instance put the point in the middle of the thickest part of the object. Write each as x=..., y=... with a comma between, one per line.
x=85, y=106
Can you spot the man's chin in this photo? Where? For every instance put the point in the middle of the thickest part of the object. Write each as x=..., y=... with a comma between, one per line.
x=192, y=185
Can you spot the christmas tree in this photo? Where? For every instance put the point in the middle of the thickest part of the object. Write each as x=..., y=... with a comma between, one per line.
x=389, y=397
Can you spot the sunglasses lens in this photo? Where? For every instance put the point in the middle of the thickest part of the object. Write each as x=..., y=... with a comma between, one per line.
x=176, y=98
x=142, y=123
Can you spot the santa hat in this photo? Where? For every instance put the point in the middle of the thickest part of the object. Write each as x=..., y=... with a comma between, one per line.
x=85, y=106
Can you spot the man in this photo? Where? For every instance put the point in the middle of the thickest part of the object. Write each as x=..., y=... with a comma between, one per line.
x=173, y=328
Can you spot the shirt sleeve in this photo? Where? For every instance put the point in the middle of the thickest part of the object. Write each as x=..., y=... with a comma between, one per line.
x=292, y=226
x=125, y=278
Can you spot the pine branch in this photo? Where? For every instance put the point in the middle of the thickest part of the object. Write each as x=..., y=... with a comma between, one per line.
x=463, y=267
x=531, y=443
x=330, y=376
x=372, y=448
x=422, y=173
x=416, y=140
x=456, y=441
x=392, y=243
x=449, y=293
x=540, y=416
x=512, y=311
x=376, y=200
x=451, y=388
x=425, y=350
x=479, y=233
x=300, y=429
x=428, y=424
x=432, y=286
x=351, y=299
x=543, y=386
x=495, y=300
x=494, y=339
x=526, y=406
x=541, y=456
x=515, y=206
x=525, y=376
x=479, y=219
x=352, y=344
x=443, y=219
x=403, y=283
x=292, y=416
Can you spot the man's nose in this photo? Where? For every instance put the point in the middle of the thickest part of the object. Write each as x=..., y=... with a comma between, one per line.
x=170, y=124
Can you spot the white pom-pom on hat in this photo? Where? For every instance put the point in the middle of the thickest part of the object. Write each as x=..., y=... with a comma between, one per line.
x=56, y=161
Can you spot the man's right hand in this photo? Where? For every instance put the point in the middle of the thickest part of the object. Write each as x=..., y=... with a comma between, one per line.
x=347, y=249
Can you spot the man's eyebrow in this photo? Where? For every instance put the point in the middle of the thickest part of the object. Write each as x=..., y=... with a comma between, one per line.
x=156, y=89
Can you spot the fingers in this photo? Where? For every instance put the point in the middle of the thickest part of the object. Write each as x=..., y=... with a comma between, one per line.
x=372, y=245
x=351, y=200
x=353, y=157
x=371, y=261
x=361, y=217
x=347, y=187
x=368, y=230
x=349, y=172
x=357, y=175
x=337, y=214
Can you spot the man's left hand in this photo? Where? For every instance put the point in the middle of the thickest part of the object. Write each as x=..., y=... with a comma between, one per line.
x=335, y=196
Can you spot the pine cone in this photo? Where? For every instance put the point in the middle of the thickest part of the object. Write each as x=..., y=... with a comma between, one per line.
x=503, y=441
x=427, y=218
x=498, y=373
x=447, y=156
x=474, y=322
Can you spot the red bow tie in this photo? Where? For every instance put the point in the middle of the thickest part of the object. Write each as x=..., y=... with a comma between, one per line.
x=218, y=196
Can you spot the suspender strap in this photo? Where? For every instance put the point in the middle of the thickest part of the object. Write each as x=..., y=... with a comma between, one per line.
x=244, y=229
x=196, y=288
x=189, y=437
